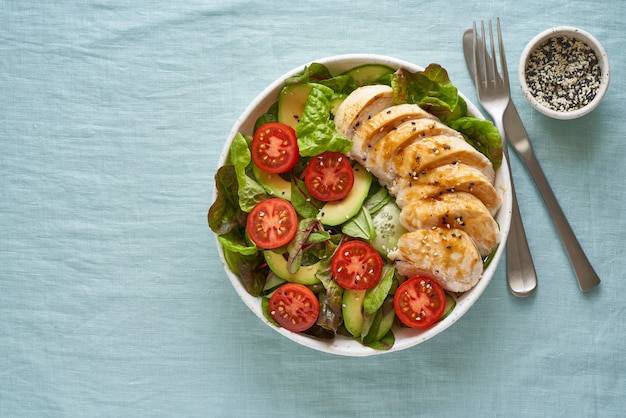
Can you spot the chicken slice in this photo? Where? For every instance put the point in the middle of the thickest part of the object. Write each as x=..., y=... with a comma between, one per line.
x=436, y=151
x=445, y=179
x=369, y=132
x=458, y=210
x=448, y=255
x=396, y=140
x=360, y=105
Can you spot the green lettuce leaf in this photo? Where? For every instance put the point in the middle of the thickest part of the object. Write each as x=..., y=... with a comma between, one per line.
x=305, y=205
x=375, y=296
x=482, y=135
x=316, y=130
x=250, y=192
x=431, y=89
x=235, y=242
x=360, y=226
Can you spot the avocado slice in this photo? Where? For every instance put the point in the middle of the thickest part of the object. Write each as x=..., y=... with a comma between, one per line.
x=291, y=102
x=305, y=274
x=338, y=211
x=273, y=184
x=352, y=311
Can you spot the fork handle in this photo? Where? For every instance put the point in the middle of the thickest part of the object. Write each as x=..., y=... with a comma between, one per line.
x=520, y=269
x=585, y=274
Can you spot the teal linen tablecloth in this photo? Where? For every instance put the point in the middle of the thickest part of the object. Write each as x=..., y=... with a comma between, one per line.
x=113, y=301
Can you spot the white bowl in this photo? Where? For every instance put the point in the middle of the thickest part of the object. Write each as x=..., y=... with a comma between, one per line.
x=602, y=82
x=404, y=337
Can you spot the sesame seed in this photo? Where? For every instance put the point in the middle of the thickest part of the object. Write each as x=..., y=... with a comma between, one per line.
x=563, y=73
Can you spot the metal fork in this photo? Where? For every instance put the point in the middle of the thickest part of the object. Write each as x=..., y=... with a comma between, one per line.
x=494, y=95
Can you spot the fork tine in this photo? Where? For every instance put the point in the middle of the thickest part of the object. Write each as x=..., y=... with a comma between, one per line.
x=485, y=55
x=480, y=63
x=487, y=63
x=475, y=52
x=494, y=65
x=503, y=66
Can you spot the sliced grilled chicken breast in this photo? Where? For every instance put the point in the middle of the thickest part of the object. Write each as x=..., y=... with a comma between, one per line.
x=436, y=151
x=362, y=104
x=459, y=210
x=448, y=255
x=380, y=154
x=447, y=178
x=443, y=185
x=369, y=132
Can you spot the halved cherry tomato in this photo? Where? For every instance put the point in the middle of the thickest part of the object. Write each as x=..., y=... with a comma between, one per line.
x=274, y=148
x=419, y=302
x=356, y=265
x=294, y=306
x=329, y=176
x=272, y=223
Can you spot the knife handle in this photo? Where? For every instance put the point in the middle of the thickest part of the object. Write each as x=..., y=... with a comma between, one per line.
x=585, y=274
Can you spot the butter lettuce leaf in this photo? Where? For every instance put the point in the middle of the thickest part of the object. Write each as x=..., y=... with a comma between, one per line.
x=431, y=89
x=316, y=130
x=250, y=192
x=482, y=135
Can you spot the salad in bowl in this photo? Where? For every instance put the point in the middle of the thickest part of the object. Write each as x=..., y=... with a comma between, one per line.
x=361, y=204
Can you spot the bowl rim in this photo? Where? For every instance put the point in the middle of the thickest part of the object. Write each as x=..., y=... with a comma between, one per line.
x=404, y=338
x=587, y=38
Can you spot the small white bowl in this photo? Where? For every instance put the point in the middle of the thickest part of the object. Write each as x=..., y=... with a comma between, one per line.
x=404, y=337
x=582, y=98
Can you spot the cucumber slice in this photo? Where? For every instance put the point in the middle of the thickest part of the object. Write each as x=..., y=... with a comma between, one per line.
x=336, y=100
x=368, y=73
x=450, y=305
x=388, y=228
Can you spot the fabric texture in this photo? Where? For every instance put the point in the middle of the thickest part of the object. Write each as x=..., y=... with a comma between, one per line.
x=113, y=301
